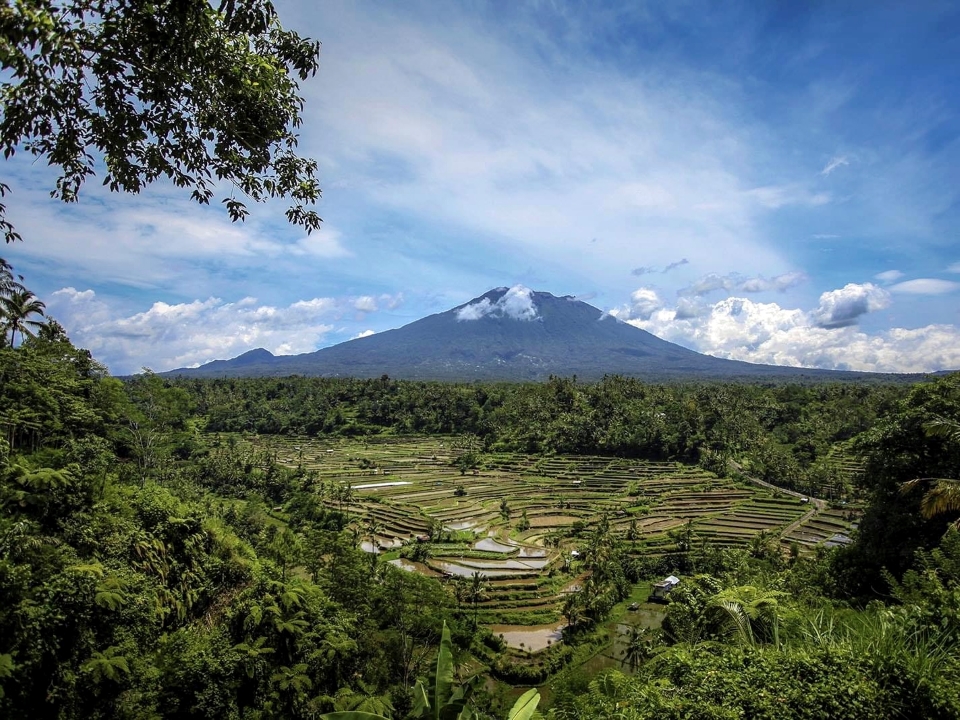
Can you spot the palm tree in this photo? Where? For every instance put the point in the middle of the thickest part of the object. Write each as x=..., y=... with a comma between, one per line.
x=943, y=495
x=637, y=647
x=573, y=610
x=16, y=310
x=374, y=527
x=460, y=590
x=478, y=586
x=7, y=283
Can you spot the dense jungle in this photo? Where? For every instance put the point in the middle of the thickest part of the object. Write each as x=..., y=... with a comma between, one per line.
x=167, y=550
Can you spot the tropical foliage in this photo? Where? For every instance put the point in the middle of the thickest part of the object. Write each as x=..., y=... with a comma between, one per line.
x=145, y=570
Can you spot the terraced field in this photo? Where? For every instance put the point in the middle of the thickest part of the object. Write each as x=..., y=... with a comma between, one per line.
x=512, y=519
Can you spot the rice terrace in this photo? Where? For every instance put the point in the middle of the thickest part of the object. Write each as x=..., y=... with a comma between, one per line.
x=520, y=520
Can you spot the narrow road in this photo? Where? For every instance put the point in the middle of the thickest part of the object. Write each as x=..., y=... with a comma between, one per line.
x=816, y=504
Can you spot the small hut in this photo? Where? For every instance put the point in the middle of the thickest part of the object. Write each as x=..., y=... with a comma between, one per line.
x=664, y=587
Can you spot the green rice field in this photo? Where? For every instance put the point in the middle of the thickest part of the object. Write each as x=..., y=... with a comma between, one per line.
x=516, y=518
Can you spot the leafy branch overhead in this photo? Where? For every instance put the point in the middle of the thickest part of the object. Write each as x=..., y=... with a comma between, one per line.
x=202, y=94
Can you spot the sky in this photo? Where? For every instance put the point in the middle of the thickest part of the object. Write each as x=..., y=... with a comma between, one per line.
x=772, y=182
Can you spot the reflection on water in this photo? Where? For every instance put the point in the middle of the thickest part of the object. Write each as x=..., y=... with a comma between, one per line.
x=455, y=569
x=510, y=564
x=527, y=552
x=367, y=486
x=461, y=525
x=490, y=545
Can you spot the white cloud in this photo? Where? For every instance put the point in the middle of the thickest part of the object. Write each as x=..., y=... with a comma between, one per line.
x=834, y=163
x=168, y=336
x=926, y=286
x=888, y=275
x=392, y=302
x=516, y=303
x=365, y=333
x=476, y=310
x=740, y=329
x=954, y=268
x=643, y=303
x=365, y=303
x=843, y=307
x=655, y=155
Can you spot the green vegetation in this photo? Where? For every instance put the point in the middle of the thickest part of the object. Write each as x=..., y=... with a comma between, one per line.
x=193, y=91
x=298, y=548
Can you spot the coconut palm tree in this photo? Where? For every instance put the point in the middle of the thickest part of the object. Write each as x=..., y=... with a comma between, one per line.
x=8, y=284
x=638, y=645
x=943, y=495
x=478, y=587
x=16, y=310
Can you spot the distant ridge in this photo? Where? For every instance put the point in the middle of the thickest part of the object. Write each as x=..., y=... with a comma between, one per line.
x=512, y=334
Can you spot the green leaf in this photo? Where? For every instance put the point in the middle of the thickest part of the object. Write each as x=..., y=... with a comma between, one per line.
x=352, y=715
x=443, y=677
x=525, y=706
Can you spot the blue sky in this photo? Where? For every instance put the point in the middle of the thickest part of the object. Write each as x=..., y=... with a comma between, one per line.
x=775, y=182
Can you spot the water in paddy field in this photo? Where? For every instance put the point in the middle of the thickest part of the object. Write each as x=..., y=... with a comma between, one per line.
x=491, y=545
x=461, y=525
x=454, y=569
x=532, y=564
x=533, y=638
x=526, y=552
x=367, y=486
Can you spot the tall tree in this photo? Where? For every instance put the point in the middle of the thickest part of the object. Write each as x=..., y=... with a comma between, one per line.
x=478, y=588
x=16, y=311
x=189, y=90
x=8, y=283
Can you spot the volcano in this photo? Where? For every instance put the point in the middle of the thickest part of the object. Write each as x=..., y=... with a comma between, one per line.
x=508, y=334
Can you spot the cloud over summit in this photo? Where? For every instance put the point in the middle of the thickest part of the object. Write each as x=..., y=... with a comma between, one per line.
x=516, y=303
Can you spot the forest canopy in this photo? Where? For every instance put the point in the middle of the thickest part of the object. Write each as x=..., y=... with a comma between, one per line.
x=203, y=95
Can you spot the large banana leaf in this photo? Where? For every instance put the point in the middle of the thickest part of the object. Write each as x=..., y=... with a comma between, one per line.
x=525, y=706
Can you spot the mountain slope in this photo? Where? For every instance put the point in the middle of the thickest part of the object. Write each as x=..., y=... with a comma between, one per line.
x=505, y=334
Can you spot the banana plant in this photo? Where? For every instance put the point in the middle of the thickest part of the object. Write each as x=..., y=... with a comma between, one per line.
x=440, y=699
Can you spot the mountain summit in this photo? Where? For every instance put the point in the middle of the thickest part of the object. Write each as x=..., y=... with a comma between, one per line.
x=505, y=334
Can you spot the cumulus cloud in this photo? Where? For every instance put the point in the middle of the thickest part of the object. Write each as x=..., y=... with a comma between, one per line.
x=735, y=282
x=888, y=275
x=926, y=286
x=365, y=333
x=687, y=308
x=834, y=163
x=365, y=303
x=168, y=336
x=741, y=329
x=516, y=303
x=643, y=303
x=843, y=307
